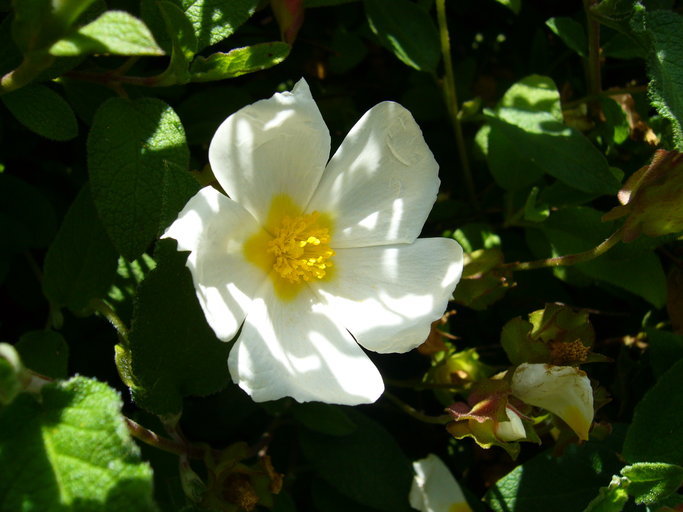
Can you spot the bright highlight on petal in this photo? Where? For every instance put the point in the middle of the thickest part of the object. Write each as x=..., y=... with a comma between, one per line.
x=562, y=390
x=434, y=489
x=309, y=261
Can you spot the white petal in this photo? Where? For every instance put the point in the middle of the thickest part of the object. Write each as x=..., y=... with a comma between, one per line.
x=214, y=228
x=382, y=182
x=274, y=146
x=510, y=430
x=434, y=489
x=293, y=348
x=562, y=390
x=388, y=296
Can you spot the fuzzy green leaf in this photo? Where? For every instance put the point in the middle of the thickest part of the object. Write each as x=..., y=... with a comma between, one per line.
x=238, y=62
x=174, y=352
x=42, y=111
x=651, y=482
x=81, y=262
x=214, y=20
x=138, y=159
x=407, y=30
x=69, y=450
x=114, y=32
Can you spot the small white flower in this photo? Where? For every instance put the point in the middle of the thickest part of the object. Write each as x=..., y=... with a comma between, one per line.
x=563, y=390
x=434, y=489
x=511, y=430
x=310, y=260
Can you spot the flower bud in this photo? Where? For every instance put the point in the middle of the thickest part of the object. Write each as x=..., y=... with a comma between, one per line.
x=563, y=390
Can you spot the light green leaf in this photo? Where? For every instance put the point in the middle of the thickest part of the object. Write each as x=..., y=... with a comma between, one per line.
x=174, y=352
x=383, y=479
x=214, y=20
x=571, y=33
x=656, y=433
x=42, y=111
x=545, y=481
x=513, y=5
x=114, y=32
x=612, y=498
x=651, y=482
x=661, y=29
x=407, y=30
x=69, y=450
x=238, y=62
x=534, y=93
x=138, y=159
x=81, y=262
x=44, y=352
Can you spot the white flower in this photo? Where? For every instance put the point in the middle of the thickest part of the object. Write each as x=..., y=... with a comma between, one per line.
x=310, y=260
x=434, y=489
x=562, y=390
x=511, y=430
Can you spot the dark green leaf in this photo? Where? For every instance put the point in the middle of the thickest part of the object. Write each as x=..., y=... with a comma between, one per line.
x=382, y=480
x=138, y=159
x=545, y=481
x=70, y=451
x=85, y=97
x=42, y=111
x=651, y=482
x=327, y=499
x=324, y=418
x=44, y=352
x=114, y=32
x=407, y=30
x=656, y=434
x=174, y=352
x=214, y=20
x=664, y=348
x=571, y=33
x=237, y=62
x=81, y=262
x=510, y=163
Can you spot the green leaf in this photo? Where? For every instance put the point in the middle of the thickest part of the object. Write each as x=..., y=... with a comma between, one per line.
x=661, y=29
x=545, y=481
x=327, y=499
x=114, y=32
x=81, y=262
x=513, y=5
x=129, y=275
x=69, y=450
x=381, y=481
x=323, y=418
x=612, y=498
x=571, y=33
x=616, y=120
x=138, y=159
x=24, y=228
x=656, y=433
x=174, y=352
x=44, y=352
x=42, y=111
x=214, y=20
x=326, y=3
x=238, y=62
x=651, y=482
x=664, y=348
x=407, y=30
x=534, y=93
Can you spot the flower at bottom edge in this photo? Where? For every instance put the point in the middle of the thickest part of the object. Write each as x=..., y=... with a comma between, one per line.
x=434, y=489
x=309, y=261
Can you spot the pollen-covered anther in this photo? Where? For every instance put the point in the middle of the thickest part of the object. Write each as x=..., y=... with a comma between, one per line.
x=301, y=248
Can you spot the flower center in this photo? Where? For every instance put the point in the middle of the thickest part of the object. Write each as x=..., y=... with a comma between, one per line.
x=301, y=249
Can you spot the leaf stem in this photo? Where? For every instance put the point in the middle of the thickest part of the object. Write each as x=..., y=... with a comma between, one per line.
x=106, y=311
x=168, y=445
x=569, y=259
x=593, y=67
x=411, y=411
x=451, y=98
x=113, y=78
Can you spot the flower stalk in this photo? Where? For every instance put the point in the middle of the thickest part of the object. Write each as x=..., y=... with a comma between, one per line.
x=411, y=411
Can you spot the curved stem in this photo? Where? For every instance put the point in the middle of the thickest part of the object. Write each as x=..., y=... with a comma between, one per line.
x=106, y=311
x=451, y=98
x=168, y=445
x=411, y=411
x=569, y=259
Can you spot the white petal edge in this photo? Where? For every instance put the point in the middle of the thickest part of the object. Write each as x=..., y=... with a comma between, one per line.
x=388, y=296
x=294, y=348
x=511, y=430
x=434, y=488
x=214, y=228
x=271, y=147
x=381, y=183
x=563, y=390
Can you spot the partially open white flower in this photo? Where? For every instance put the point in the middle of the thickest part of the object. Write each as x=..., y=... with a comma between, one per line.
x=310, y=260
x=511, y=430
x=563, y=390
x=434, y=489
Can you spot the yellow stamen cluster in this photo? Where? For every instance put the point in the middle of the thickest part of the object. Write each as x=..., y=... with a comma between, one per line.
x=301, y=248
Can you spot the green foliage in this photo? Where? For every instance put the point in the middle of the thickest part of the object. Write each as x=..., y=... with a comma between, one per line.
x=81, y=262
x=44, y=352
x=214, y=20
x=138, y=159
x=407, y=30
x=571, y=33
x=237, y=62
x=650, y=482
x=68, y=449
x=42, y=111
